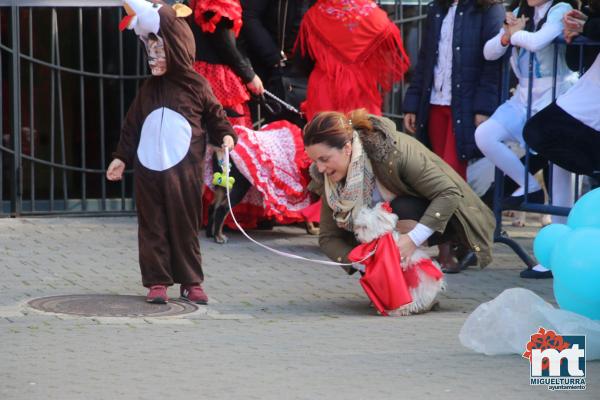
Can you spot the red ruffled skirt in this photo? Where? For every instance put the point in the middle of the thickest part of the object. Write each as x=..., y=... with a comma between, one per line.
x=228, y=89
x=274, y=161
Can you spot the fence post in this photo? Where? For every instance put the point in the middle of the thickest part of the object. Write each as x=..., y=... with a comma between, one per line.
x=16, y=170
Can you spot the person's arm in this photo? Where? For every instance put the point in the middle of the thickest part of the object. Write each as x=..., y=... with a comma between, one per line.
x=130, y=132
x=417, y=169
x=301, y=60
x=214, y=119
x=535, y=41
x=486, y=94
x=225, y=46
x=302, y=64
x=420, y=233
x=259, y=40
x=334, y=241
x=494, y=49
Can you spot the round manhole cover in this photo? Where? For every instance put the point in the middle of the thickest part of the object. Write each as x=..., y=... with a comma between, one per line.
x=100, y=305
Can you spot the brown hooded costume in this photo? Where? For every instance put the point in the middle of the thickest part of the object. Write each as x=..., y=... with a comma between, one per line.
x=164, y=138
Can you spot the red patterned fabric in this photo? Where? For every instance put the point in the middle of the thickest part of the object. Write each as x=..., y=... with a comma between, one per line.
x=383, y=280
x=230, y=9
x=356, y=49
x=426, y=265
x=229, y=90
x=274, y=161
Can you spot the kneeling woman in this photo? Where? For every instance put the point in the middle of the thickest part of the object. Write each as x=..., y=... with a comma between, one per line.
x=360, y=160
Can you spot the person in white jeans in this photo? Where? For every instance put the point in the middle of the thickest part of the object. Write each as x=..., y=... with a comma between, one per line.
x=530, y=29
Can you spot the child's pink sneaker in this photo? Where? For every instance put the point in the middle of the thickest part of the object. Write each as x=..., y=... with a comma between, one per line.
x=157, y=295
x=193, y=294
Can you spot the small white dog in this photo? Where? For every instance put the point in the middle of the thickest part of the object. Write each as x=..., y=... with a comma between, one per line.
x=370, y=224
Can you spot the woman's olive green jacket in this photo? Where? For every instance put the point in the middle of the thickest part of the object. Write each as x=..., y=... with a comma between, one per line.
x=407, y=168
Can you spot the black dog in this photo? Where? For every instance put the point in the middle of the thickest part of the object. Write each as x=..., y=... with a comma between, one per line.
x=218, y=210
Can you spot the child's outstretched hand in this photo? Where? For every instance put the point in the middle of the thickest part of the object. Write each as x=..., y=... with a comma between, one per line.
x=115, y=170
x=228, y=143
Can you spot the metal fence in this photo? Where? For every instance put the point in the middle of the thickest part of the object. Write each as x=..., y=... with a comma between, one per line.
x=67, y=77
x=409, y=16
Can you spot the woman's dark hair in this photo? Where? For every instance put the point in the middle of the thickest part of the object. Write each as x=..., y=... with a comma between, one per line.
x=528, y=12
x=335, y=128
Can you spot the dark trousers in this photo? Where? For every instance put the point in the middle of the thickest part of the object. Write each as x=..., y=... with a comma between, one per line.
x=413, y=208
x=169, y=205
x=564, y=140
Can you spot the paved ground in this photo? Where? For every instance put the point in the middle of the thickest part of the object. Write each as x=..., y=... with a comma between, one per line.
x=275, y=329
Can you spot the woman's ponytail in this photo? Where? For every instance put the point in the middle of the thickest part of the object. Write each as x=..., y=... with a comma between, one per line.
x=359, y=119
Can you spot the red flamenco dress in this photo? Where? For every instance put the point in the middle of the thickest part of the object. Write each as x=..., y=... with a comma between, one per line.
x=217, y=25
x=356, y=49
x=274, y=161
x=273, y=158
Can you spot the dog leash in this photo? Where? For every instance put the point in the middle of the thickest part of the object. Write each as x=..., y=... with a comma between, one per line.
x=288, y=106
x=264, y=246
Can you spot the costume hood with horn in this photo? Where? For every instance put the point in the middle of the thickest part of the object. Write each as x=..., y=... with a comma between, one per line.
x=164, y=138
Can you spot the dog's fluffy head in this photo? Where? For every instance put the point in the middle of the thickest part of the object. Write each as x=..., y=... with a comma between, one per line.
x=371, y=223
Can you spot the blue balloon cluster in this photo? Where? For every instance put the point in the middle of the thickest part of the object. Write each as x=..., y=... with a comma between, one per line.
x=572, y=252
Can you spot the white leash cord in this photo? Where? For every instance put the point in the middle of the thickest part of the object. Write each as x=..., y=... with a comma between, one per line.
x=281, y=253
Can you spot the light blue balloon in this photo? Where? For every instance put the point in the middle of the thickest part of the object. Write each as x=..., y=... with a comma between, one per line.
x=545, y=241
x=571, y=301
x=576, y=261
x=586, y=211
x=575, y=264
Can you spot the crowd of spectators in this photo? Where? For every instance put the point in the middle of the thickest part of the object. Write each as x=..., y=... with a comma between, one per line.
x=295, y=47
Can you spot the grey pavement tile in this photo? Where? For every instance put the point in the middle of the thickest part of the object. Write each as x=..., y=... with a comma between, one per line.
x=275, y=328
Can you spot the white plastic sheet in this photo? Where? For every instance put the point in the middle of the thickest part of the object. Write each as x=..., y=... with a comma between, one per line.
x=504, y=325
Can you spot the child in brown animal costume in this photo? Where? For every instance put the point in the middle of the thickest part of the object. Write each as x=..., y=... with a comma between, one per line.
x=164, y=138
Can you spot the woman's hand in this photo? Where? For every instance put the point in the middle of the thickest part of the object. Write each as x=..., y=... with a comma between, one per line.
x=406, y=246
x=115, y=170
x=509, y=19
x=255, y=86
x=573, y=22
x=518, y=25
x=228, y=142
x=410, y=122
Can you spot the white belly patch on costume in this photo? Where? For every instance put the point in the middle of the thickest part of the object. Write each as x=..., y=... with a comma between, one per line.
x=165, y=139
